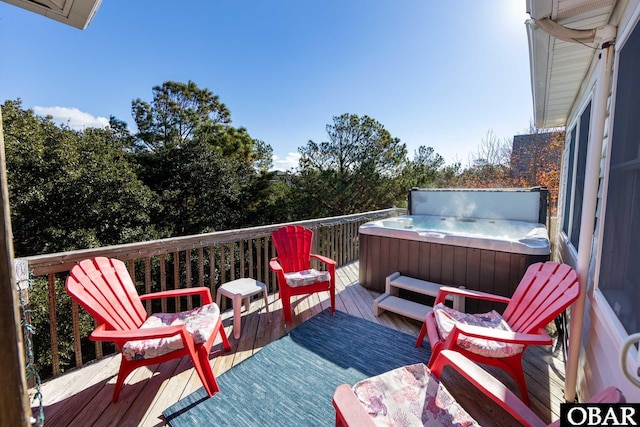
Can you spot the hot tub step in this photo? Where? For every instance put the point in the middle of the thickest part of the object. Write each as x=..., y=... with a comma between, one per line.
x=415, y=285
x=395, y=282
x=401, y=306
x=391, y=300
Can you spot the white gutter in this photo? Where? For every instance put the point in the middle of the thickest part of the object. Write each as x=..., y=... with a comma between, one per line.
x=566, y=34
x=589, y=203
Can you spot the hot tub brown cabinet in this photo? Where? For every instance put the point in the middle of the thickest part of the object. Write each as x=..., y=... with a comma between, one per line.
x=485, y=270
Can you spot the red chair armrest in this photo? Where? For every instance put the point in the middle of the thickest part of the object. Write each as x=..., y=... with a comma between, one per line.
x=324, y=259
x=349, y=410
x=468, y=293
x=274, y=265
x=499, y=335
x=102, y=334
x=202, y=291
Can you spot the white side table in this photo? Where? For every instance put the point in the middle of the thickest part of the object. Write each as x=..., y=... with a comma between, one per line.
x=240, y=289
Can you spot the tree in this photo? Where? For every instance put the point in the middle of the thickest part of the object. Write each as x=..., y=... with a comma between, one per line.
x=70, y=190
x=120, y=133
x=201, y=190
x=425, y=169
x=205, y=172
x=358, y=169
x=492, y=151
x=176, y=112
x=536, y=159
x=490, y=166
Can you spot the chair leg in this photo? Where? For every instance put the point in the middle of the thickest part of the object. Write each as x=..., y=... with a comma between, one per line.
x=423, y=332
x=513, y=366
x=123, y=372
x=435, y=351
x=200, y=360
x=205, y=372
x=223, y=335
x=286, y=307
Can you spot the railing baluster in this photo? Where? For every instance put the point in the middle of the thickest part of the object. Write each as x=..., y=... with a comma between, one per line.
x=176, y=276
x=241, y=261
x=131, y=267
x=212, y=271
x=201, y=267
x=53, y=325
x=187, y=266
x=232, y=260
x=252, y=243
x=77, y=347
x=266, y=269
x=272, y=249
x=223, y=264
x=348, y=242
x=335, y=235
x=98, y=344
x=147, y=281
x=337, y=231
x=259, y=264
x=163, y=281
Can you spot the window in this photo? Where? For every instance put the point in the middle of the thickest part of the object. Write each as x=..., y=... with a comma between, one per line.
x=566, y=212
x=620, y=265
x=581, y=164
x=577, y=162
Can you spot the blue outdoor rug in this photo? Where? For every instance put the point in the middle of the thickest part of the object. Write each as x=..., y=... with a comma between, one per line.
x=290, y=382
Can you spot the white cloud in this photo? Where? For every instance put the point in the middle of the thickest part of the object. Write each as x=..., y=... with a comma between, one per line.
x=289, y=162
x=72, y=117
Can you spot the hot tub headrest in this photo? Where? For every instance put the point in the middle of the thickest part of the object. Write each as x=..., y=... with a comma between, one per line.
x=513, y=204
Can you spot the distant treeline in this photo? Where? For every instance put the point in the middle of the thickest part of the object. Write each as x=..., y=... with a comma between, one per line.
x=188, y=171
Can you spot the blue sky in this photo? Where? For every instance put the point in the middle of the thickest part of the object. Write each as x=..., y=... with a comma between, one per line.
x=439, y=74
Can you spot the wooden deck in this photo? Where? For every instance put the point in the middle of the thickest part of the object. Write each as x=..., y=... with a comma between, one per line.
x=82, y=397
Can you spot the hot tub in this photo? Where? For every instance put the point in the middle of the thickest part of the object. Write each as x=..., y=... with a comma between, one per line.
x=488, y=248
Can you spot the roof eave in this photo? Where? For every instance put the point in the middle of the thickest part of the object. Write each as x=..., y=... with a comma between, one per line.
x=557, y=67
x=76, y=13
x=539, y=50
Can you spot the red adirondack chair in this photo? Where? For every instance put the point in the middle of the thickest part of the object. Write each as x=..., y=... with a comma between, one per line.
x=104, y=288
x=377, y=396
x=545, y=291
x=293, y=267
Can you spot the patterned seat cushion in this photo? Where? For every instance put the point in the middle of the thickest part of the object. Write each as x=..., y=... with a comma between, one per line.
x=306, y=277
x=410, y=396
x=199, y=323
x=447, y=317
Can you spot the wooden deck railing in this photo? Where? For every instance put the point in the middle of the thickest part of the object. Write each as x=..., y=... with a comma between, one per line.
x=201, y=260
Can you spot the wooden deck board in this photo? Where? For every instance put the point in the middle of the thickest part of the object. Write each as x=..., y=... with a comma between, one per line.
x=83, y=396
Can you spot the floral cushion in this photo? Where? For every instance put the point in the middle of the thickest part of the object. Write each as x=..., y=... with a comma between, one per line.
x=199, y=323
x=410, y=396
x=447, y=317
x=306, y=277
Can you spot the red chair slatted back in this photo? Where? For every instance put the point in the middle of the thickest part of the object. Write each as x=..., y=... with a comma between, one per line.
x=293, y=245
x=545, y=291
x=104, y=288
